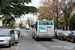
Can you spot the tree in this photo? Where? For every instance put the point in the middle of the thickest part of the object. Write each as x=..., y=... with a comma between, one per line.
x=4, y=2
x=50, y=10
x=16, y=8
x=5, y=20
x=66, y=7
x=71, y=21
x=20, y=25
x=28, y=20
x=56, y=9
x=45, y=11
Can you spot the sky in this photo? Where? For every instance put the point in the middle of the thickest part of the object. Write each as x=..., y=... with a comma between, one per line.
x=35, y=3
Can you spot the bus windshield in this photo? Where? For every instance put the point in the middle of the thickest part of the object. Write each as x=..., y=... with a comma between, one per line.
x=45, y=23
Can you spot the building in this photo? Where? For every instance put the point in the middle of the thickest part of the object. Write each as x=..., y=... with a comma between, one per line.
x=24, y=22
x=16, y=24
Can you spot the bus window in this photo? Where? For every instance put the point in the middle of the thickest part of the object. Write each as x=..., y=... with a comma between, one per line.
x=45, y=22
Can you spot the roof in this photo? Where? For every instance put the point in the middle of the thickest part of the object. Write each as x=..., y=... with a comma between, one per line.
x=44, y=20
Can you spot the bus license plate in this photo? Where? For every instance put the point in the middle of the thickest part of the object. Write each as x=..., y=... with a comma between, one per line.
x=45, y=34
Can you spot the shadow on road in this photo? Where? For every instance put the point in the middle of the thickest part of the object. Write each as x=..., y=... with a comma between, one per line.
x=44, y=39
x=4, y=47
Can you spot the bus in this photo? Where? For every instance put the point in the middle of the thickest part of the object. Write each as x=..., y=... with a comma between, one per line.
x=43, y=29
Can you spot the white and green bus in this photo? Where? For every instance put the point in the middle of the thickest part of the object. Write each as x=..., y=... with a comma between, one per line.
x=43, y=29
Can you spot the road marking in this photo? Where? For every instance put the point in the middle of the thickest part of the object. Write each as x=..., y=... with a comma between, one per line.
x=27, y=35
x=62, y=42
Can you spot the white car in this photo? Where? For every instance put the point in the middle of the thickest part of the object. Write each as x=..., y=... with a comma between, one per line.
x=27, y=27
x=17, y=28
x=7, y=37
x=16, y=36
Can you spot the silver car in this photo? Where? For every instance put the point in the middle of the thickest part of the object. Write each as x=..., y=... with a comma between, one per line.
x=57, y=32
x=64, y=34
x=16, y=36
x=7, y=37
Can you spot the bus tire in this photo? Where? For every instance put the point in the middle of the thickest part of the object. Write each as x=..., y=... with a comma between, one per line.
x=33, y=37
x=50, y=39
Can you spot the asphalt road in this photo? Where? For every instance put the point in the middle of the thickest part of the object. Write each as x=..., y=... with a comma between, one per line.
x=27, y=43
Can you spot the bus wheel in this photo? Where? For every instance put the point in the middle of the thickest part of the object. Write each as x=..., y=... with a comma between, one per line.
x=50, y=39
x=33, y=37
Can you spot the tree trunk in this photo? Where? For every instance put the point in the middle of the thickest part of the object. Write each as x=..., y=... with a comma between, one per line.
x=0, y=11
x=66, y=24
x=56, y=22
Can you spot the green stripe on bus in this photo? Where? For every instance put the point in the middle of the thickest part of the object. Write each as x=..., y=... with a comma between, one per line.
x=43, y=28
x=52, y=22
x=38, y=22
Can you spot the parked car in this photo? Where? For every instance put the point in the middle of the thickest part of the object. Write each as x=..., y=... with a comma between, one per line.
x=18, y=31
x=71, y=37
x=57, y=32
x=27, y=27
x=23, y=27
x=17, y=28
x=16, y=36
x=7, y=37
x=64, y=34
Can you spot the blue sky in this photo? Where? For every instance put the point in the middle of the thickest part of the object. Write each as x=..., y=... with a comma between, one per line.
x=35, y=3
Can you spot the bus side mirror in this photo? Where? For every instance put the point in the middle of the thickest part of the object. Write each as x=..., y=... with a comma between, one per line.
x=32, y=26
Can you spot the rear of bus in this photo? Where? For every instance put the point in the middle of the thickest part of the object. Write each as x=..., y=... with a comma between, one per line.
x=45, y=29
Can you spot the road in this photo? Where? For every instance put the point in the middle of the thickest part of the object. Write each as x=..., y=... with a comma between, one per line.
x=27, y=43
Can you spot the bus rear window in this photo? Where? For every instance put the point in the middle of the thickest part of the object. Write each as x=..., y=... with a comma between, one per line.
x=45, y=23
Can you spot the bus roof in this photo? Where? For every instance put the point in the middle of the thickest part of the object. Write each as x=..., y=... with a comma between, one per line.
x=44, y=20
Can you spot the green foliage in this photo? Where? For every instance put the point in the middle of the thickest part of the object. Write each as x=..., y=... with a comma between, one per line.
x=16, y=7
x=60, y=26
x=6, y=18
x=71, y=21
x=20, y=25
x=4, y=2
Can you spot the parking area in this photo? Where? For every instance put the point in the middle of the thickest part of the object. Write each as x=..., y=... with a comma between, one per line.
x=13, y=40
